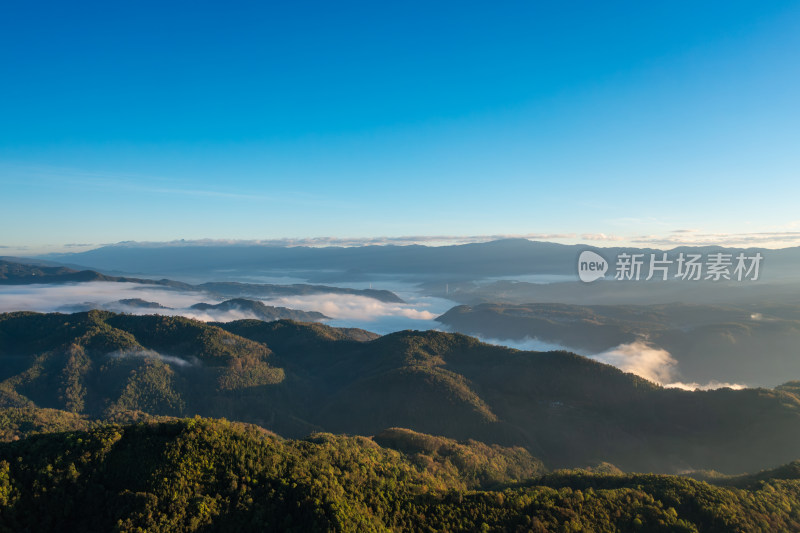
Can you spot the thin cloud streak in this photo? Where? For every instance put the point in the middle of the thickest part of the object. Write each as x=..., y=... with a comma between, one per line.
x=153, y=185
x=767, y=239
x=677, y=238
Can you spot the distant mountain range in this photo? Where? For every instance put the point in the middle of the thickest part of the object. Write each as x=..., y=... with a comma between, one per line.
x=13, y=273
x=507, y=257
x=295, y=378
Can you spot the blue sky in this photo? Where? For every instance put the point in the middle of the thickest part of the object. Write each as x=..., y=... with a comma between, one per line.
x=604, y=121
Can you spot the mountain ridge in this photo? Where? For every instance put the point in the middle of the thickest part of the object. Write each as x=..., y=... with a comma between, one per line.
x=513, y=256
x=199, y=474
x=296, y=378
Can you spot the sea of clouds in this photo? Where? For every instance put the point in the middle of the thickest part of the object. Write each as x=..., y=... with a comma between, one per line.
x=345, y=310
x=419, y=312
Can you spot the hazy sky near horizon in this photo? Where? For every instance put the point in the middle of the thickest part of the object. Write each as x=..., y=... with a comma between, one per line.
x=156, y=121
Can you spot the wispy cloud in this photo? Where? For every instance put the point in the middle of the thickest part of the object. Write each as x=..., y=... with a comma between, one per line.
x=654, y=364
x=527, y=344
x=642, y=359
x=152, y=354
x=135, y=183
x=711, y=385
x=159, y=185
x=601, y=237
x=695, y=238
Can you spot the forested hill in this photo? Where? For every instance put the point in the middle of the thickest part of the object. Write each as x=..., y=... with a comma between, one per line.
x=204, y=475
x=295, y=379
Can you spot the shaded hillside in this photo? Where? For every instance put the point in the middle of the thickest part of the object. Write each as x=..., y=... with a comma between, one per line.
x=735, y=344
x=296, y=378
x=765, y=291
x=286, y=333
x=20, y=422
x=236, y=307
x=261, y=311
x=201, y=475
x=139, y=303
x=100, y=363
x=264, y=290
x=580, y=327
x=12, y=273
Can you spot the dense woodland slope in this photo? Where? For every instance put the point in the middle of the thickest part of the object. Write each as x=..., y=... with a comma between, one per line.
x=203, y=475
x=295, y=379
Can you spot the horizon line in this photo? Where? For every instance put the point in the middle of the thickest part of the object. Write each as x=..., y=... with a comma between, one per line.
x=676, y=239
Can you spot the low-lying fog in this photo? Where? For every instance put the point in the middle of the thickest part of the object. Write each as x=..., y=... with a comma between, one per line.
x=345, y=310
x=641, y=358
x=418, y=312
